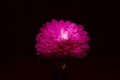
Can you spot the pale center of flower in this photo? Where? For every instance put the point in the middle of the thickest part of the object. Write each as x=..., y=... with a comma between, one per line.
x=64, y=34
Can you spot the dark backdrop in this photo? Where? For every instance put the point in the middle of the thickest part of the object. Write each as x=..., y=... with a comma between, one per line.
x=24, y=18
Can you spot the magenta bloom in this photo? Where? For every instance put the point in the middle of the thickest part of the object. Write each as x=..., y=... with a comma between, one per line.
x=62, y=38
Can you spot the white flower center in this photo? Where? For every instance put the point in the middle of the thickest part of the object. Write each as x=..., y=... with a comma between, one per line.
x=64, y=34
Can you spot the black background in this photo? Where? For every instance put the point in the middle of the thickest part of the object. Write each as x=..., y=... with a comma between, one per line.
x=25, y=17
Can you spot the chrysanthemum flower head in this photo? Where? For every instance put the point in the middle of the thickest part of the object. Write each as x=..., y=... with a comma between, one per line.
x=62, y=38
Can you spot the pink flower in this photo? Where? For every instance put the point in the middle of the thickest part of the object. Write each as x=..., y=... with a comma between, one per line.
x=62, y=38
